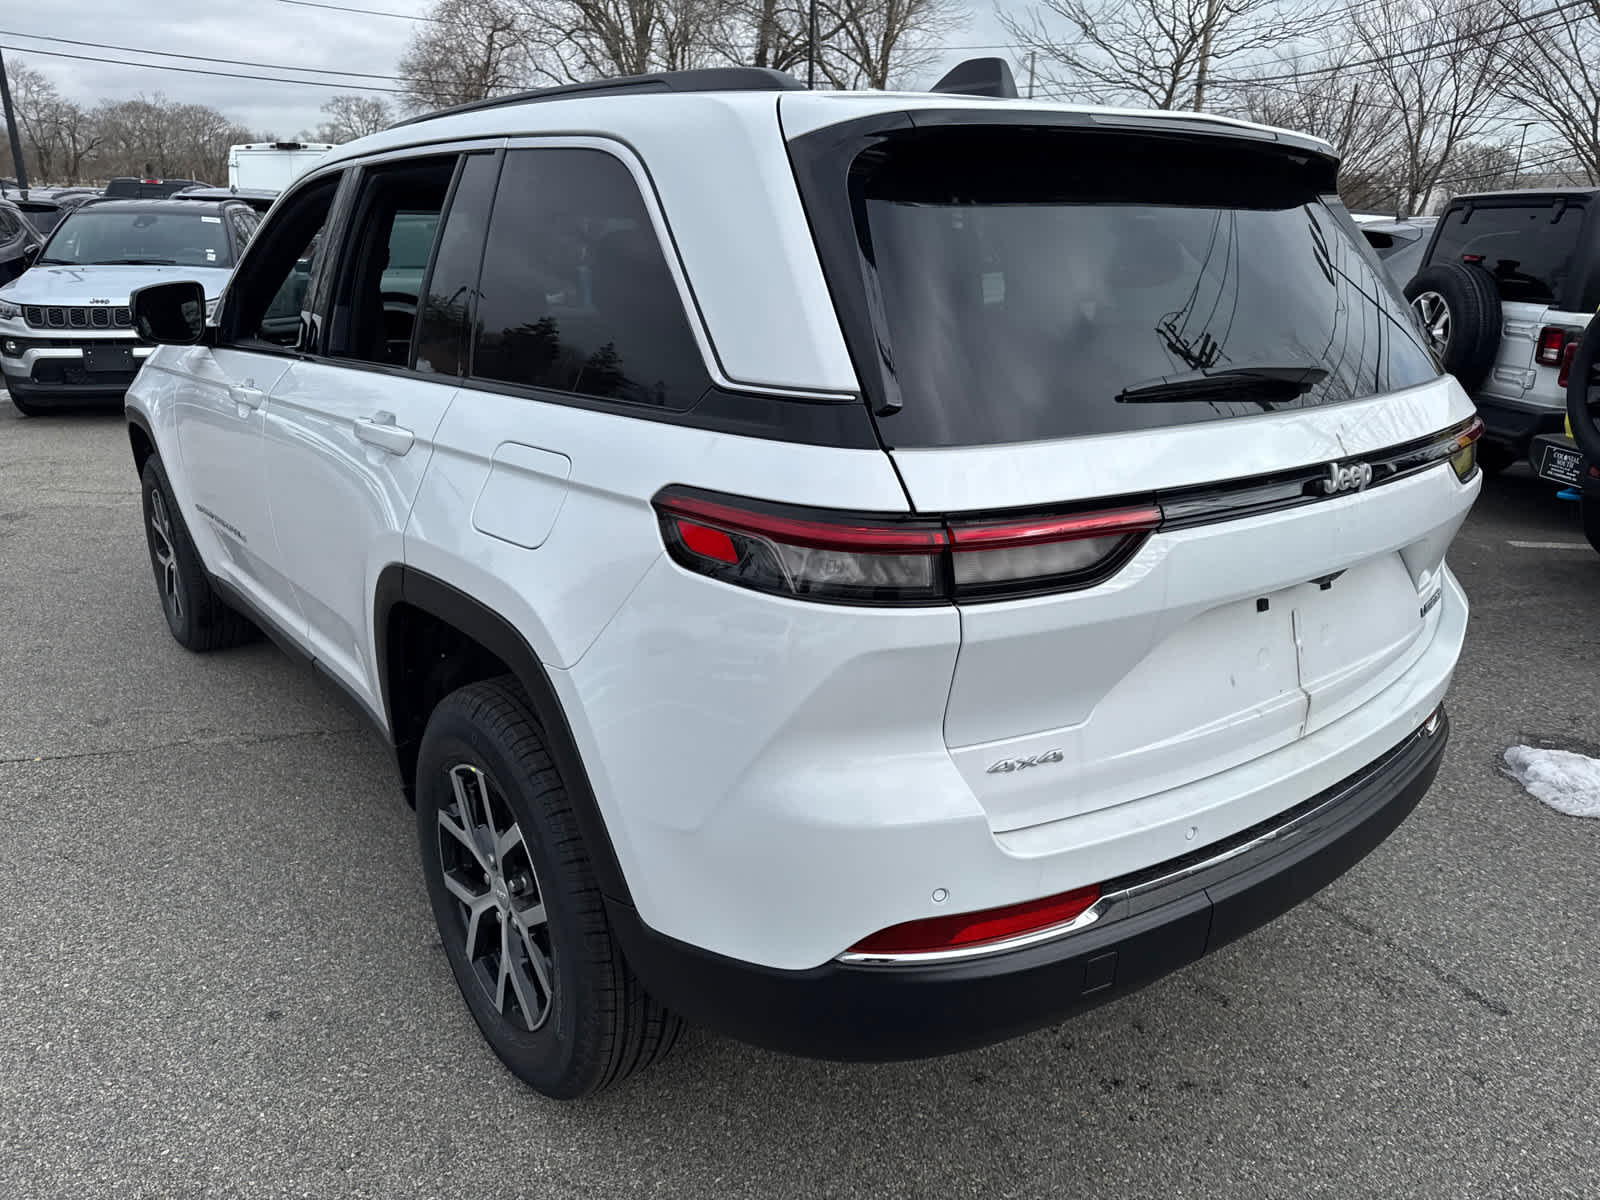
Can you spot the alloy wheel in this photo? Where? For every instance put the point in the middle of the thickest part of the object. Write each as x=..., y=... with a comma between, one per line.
x=503, y=926
x=1433, y=314
x=166, y=556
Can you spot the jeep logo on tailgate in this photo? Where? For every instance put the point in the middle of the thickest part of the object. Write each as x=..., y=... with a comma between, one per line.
x=1351, y=478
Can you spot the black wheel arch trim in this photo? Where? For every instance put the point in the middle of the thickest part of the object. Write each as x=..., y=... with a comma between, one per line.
x=398, y=583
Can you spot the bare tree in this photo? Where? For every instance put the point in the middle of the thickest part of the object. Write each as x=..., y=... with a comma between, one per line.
x=576, y=40
x=1158, y=52
x=39, y=112
x=79, y=137
x=154, y=134
x=1555, y=73
x=467, y=50
x=353, y=116
x=1320, y=94
x=880, y=40
x=1435, y=64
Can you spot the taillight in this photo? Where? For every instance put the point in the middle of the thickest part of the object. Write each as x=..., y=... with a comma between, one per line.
x=982, y=928
x=1567, y=356
x=1460, y=446
x=826, y=555
x=1552, y=340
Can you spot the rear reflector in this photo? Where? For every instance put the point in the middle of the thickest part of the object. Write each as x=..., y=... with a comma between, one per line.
x=1567, y=356
x=985, y=927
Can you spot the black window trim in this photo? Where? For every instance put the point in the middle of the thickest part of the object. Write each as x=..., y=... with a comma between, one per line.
x=825, y=191
x=340, y=215
x=464, y=367
x=345, y=248
x=626, y=153
x=818, y=418
x=331, y=227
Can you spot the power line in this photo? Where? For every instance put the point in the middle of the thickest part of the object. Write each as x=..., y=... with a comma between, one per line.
x=326, y=85
x=1381, y=59
x=233, y=62
x=366, y=12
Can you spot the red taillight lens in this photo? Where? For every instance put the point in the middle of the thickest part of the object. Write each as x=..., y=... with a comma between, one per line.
x=819, y=555
x=849, y=560
x=1552, y=341
x=989, y=925
x=1552, y=338
x=1567, y=356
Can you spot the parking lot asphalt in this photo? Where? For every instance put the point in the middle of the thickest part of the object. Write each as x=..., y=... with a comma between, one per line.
x=219, y=975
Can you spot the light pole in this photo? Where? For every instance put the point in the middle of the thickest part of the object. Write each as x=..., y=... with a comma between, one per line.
x=1516, y=172
x=811, y=56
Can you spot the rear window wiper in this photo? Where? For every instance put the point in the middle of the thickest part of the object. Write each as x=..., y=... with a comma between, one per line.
x=135, y=262
x=1250, y=381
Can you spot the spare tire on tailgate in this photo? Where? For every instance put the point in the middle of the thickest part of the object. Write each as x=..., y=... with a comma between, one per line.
x=1458, y=308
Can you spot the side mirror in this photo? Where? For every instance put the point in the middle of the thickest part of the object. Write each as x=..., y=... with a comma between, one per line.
x=29, y=254
x=170, y=314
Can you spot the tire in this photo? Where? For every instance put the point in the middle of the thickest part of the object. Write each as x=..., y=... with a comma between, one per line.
x=568, y=1017
x=1590, y=507
x=1458, y=308
x=200, y=620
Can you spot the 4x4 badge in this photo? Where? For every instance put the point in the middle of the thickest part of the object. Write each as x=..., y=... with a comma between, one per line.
x=1006, y=765
x=1351, y=478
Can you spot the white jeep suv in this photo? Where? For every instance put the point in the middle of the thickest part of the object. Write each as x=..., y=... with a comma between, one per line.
x=870, y=574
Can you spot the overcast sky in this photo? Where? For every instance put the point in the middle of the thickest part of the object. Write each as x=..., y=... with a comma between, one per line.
x=255, y=31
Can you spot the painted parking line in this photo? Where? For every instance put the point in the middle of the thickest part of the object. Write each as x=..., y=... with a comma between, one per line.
x=1550, y=545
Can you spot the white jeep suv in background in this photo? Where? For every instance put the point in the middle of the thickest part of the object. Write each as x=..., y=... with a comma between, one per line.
x=1507, y=286
x=66, y=332
x=870, y=574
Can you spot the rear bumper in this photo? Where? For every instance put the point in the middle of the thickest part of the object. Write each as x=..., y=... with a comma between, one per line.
x=1517, y=427
x=1158, y=920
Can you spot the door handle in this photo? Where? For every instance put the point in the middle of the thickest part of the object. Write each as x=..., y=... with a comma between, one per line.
x=246, y=394
x=380, y=430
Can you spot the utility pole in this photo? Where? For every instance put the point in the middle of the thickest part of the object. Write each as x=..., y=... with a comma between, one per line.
x=1033, y=59
x=811, y=56
x=1516, y=173
x=11, y=126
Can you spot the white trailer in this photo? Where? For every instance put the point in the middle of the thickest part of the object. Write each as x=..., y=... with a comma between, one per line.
x=272, y=166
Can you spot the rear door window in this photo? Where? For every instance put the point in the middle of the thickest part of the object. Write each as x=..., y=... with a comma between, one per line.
x=1029, y=285
x=1530, y=248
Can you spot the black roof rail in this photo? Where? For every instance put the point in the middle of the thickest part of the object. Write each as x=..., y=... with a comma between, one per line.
x=707, y=79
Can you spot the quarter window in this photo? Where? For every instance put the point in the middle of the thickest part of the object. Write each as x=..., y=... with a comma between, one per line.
x=575, y=293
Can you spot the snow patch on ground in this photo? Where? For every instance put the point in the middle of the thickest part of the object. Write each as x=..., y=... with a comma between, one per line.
x=1567, y=782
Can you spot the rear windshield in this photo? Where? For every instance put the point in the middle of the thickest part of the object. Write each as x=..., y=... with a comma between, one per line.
x=1065, y=284
x=1530, y=249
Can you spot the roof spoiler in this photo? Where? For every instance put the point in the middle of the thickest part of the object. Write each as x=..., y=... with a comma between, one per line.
x=979, y=77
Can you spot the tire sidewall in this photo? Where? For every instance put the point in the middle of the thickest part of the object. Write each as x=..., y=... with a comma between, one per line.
x=544, y=1057
x=1473, y=300
x=152, y=480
